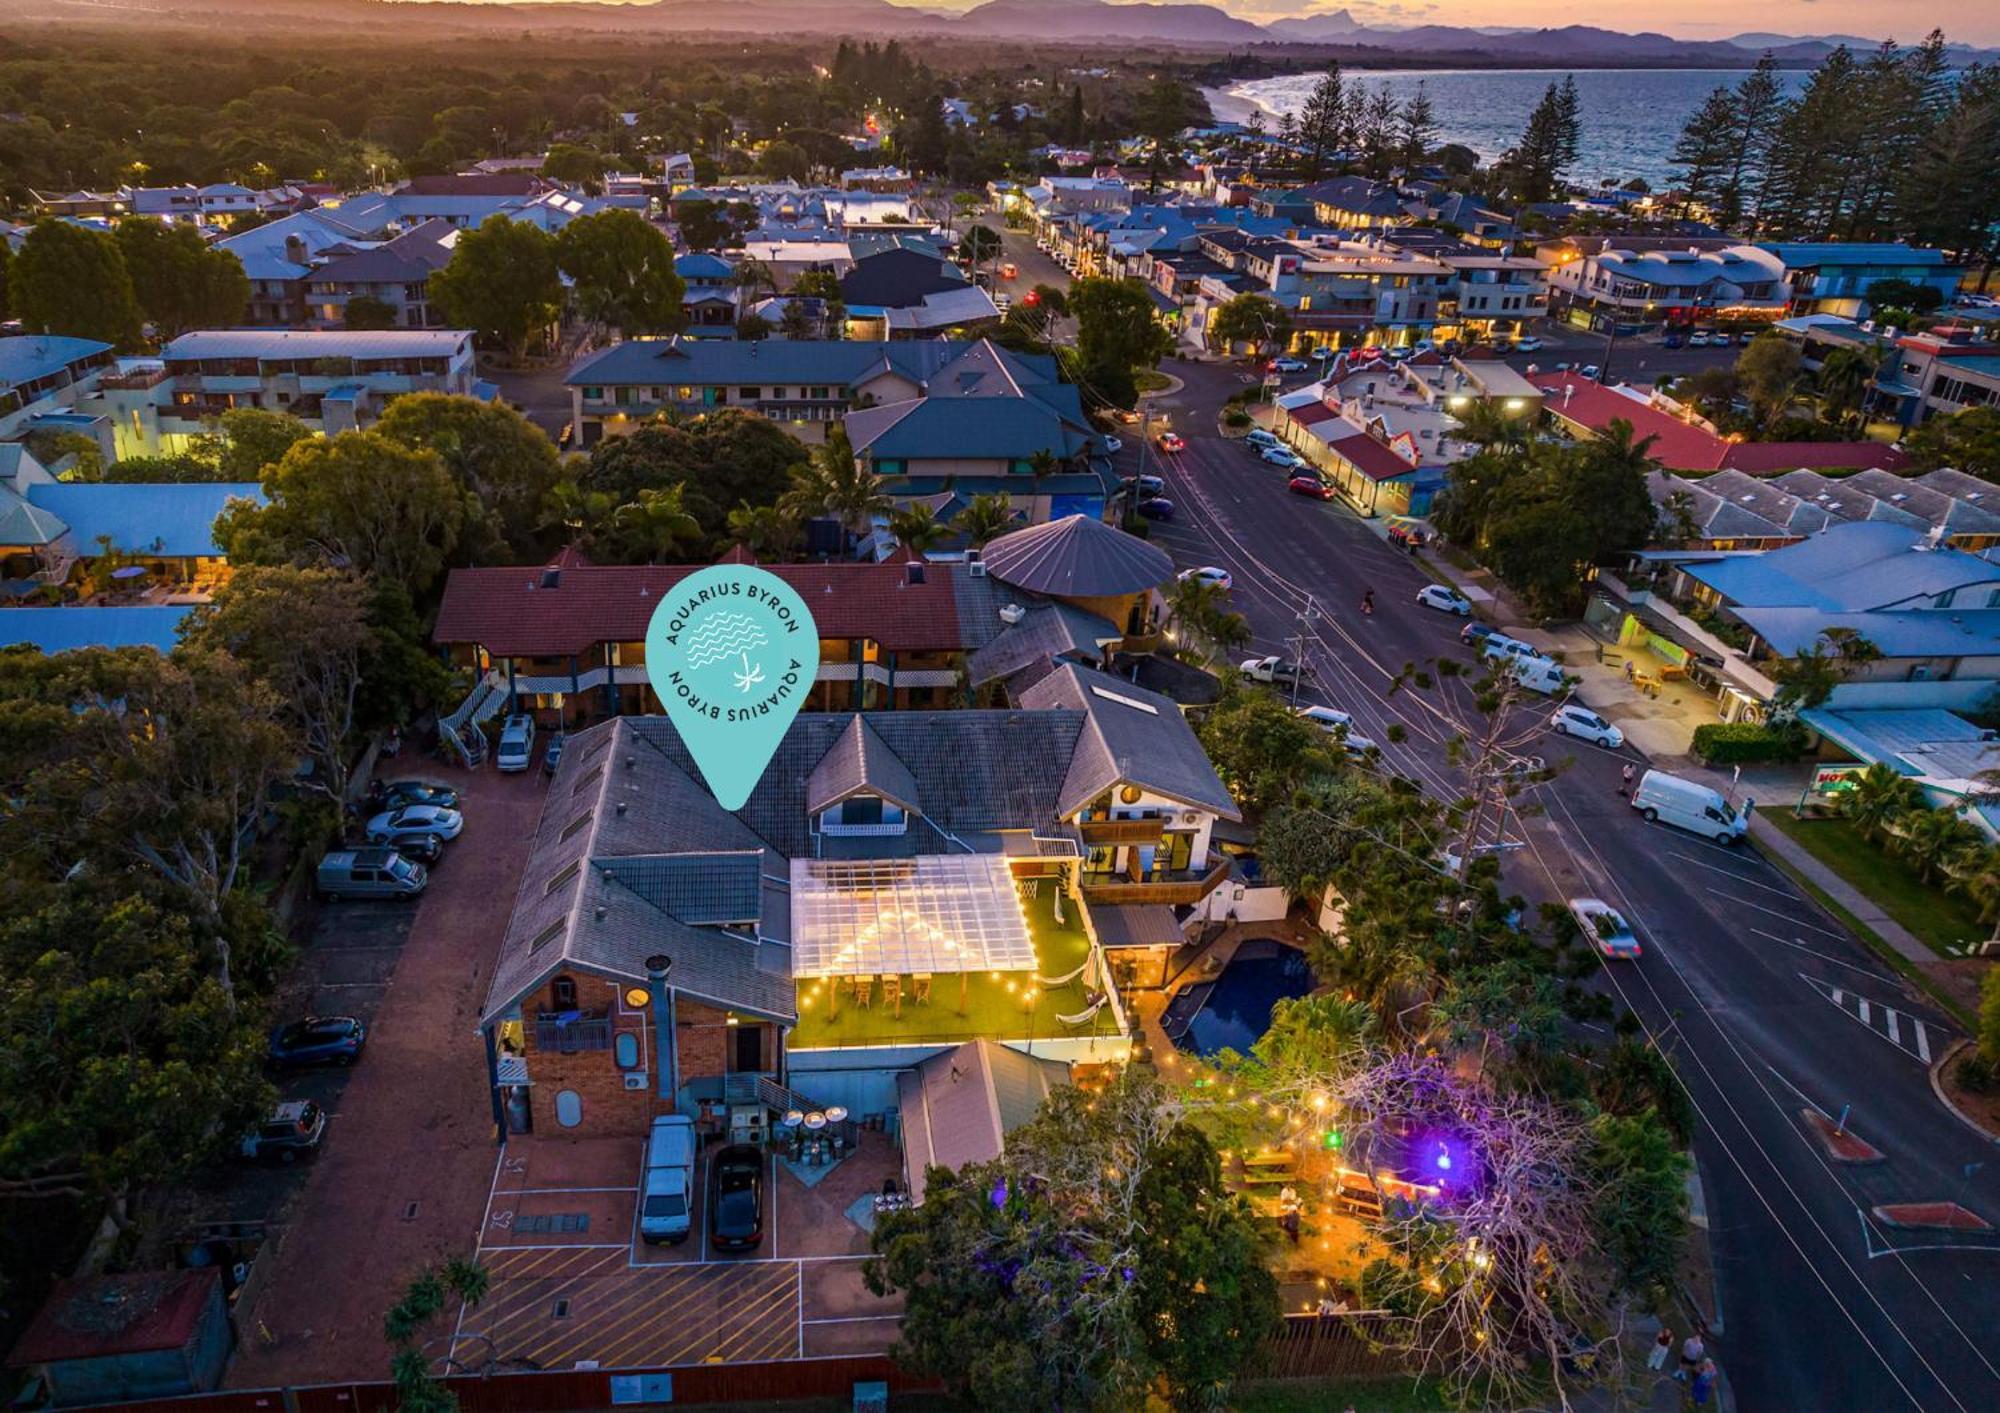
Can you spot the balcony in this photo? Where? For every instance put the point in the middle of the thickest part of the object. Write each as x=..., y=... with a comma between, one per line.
x=1170, y=886
x=138, y=380
x=569, y=1032
x=1121, y=831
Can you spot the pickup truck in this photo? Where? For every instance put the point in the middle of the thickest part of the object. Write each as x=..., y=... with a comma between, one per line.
x=667, y=1198
x=1272, y=669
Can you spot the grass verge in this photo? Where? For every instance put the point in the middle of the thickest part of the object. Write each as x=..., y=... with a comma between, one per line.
x=1940, y=920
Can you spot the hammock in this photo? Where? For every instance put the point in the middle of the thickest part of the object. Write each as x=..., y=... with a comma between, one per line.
x=1055, y=981
x=1087, y=1014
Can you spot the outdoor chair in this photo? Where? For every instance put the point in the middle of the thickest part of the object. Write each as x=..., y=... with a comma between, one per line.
x=892, y=993
x=920, y=988
x=864, y=990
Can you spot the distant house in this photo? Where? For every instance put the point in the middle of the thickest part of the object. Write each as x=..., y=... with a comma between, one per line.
x=711, y=297
x=120, y=1339
x=396, y=273
x=802, y=383
x=43, y=375
x=1652, y=287
x=279, y=258
x=1835, y=277
x=907, y=293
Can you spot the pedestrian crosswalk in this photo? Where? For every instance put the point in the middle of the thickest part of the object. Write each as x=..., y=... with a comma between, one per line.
x=1901, y=1029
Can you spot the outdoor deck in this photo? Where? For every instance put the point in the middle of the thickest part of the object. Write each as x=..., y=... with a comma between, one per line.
x=998, y=1009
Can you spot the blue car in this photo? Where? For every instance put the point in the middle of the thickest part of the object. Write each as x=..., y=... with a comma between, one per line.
x=553, y=756
x=318, y=1040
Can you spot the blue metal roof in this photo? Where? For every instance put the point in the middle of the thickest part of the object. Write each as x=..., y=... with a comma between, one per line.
x=1846, y=568
x=176, y=520
x=705, y=362
x=56, y=630
x=27, y=357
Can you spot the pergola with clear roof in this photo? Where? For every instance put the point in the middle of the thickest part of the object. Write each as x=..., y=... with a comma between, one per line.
x=931, y=914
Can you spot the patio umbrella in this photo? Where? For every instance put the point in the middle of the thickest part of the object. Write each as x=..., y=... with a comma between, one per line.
x=129, y=571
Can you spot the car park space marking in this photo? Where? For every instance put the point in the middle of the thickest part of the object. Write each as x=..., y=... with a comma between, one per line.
x=1902, y=1030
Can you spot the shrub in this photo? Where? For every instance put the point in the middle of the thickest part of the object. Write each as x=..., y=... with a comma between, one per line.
x=1989, y=1016
x=1237, y=418
x=1742, y=742
x=1974, y=1074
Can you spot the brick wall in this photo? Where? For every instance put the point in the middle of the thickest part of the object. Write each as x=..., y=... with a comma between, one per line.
x=609, y=1108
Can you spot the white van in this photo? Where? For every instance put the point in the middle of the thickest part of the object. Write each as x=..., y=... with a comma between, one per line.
x=1539, y=674
x=1691, y=806
x=666, y=1202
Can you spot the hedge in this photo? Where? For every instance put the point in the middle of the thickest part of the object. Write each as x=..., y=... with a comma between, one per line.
x=1742, y=742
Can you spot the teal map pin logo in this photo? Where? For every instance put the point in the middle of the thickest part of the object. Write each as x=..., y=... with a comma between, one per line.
x=732, y=651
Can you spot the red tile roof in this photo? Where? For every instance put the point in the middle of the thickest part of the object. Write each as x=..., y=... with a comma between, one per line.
x=1684, y=446
x=509, y=613
x=1370, y=457
x=96, y=1316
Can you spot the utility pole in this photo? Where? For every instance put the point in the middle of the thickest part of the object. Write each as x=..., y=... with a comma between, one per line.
x=1306, y=616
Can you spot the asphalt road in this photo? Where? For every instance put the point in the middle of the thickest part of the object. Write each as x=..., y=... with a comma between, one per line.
x=1753, y=990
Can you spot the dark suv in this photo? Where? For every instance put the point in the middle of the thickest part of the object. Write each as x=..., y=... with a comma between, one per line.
x=291, y=1132
x=736, y=1198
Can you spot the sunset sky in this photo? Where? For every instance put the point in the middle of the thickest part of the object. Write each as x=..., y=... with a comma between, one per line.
x=1963, y=21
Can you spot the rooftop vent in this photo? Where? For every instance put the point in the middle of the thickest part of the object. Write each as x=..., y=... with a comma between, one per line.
x=1012, y=613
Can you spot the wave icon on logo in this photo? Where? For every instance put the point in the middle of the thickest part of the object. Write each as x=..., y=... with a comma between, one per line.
x=721, y=637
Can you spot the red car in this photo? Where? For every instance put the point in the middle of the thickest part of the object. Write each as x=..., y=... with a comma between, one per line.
x=1311, y=486
x=1171, y=443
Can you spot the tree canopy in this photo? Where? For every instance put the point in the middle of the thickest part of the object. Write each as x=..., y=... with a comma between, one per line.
x=70, y=280
x=180, y=281
x=621, y=268
x=501, y=282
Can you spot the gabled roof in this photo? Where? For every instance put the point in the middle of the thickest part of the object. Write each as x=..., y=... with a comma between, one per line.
x=839, y=363
x=899, y=278
x=1049, y=631
x=859, y=761
x=1846, y=568
x=513, y=611
x=409, y=258
x=23, y=523
x=1133, y=737
x=958, y=1106
x=1077, y=557
x=702, y=890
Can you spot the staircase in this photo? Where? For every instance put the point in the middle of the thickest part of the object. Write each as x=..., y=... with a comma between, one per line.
x=460, y=731
x=762, y=1089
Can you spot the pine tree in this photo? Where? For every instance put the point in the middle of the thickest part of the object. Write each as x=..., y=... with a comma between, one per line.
x=1569, y=128
x=1418, y=127
x=1702, y=153
x=1377, y=132
x=1548, y=144
x=1814, y=151
x=1073, y=125
x=1759, y=105
x=1948, y=196
x=1322, y=122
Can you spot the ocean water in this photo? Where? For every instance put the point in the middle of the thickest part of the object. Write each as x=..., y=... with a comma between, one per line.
x=1631, y=117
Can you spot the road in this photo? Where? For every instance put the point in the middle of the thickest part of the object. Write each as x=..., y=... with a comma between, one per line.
x=1755, y=992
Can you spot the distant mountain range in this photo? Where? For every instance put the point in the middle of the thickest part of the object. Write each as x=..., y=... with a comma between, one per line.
x=1061, y=21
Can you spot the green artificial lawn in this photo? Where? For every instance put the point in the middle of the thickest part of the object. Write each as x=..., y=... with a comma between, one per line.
x=991, y=1010
x=1938, y=918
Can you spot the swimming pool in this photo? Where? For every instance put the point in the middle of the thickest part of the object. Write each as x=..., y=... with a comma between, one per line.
x=1233, y=1011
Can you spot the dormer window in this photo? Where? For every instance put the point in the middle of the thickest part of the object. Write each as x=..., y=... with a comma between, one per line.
x=864, y=814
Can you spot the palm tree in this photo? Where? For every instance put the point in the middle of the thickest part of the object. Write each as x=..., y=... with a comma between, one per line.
x=796, y=322
x=1042, y=465
x=1928, y=837
x=1975, y=872
x=1483, y=423
x=753, y=275
x=768, y=531
x=916, y=529
x=836, y=483
x=1880, y=796
x=1202, y=618
x=1844, y=378
x=579, y=512
x=654, y=525
x=984, y=518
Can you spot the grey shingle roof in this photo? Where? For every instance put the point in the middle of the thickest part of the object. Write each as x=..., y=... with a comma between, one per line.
x=705, y=362
x=859, y=761
x=698, y=889
x=1051, y=630
x=1133, y=736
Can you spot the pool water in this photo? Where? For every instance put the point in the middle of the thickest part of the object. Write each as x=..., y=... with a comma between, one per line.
x=1233, y=1011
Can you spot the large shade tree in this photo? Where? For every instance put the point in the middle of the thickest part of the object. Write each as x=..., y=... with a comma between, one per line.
x=501, y=282
x=621, y=269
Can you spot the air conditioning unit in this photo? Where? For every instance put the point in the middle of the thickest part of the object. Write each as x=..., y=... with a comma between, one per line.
x=1190, y=816
x=975, y=568
x=635, y=1079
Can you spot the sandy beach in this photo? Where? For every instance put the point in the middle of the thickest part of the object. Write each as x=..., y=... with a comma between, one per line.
x=1227, y=107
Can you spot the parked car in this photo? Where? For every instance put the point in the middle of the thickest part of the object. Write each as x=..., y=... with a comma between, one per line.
x=413, y=820
x=1671, y=341
x=1338, y=724
x=1289, y=365
x=369, y=873
x=1570, y=719
x=1280, y=456
x=1475, y=633
x=1156, y=508
x=1150, y=485
x=1112, y=445
x=1273, y=670
x=1003, y=302
x=1322, y=353
x=1500, y=645
x=292, y=1131
x=1209, y=574
x=1171, y=443
x=517, y=743
x=1531, y=344
x=1445, y=600
x=667, y=1192
x=1310, y=486
x=393, y=794
x=426, y=849
x=1698, y=339
x=1743, y=339
x=1259, y=438
x=736, y=1198
x=552, y=757
x=1591, y=371
x=1691, y=805
x=1605, y=927
x=318, y=1040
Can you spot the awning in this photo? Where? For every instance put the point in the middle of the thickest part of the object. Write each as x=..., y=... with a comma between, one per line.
x=934, y=913
x=1137, y=925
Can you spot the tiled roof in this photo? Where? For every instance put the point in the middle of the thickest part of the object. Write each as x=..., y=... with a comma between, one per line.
x=702, y=890
x=1684, y=446
x=509, y=613
x=1050, y=630
x=959, y=1105
x=102, y=1317
x=859, y=761
x=1134, y=737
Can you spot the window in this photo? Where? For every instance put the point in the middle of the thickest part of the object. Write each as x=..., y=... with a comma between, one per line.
x=570, y=829
x=563, y=879
x=569, y=1108
x=748, y=394
x=544, y=937
x=625, y=1050
x=562, y=992
x=1129, y=794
